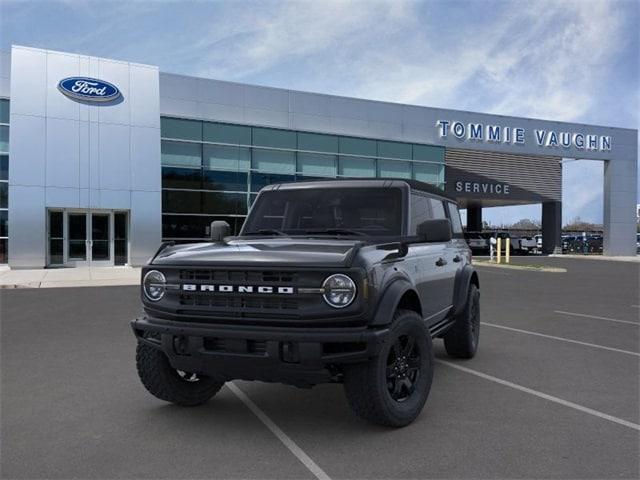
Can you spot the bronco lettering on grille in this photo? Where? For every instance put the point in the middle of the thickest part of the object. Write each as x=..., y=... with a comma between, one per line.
x=264, y=289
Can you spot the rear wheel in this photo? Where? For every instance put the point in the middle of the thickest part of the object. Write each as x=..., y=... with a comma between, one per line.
x=391, y=388
x=171, y=385
x=461, y=340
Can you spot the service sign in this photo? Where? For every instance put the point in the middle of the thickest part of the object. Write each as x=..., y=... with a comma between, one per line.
x=88, y=89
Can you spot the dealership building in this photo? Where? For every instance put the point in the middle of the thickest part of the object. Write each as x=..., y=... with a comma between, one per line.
x=101, y=160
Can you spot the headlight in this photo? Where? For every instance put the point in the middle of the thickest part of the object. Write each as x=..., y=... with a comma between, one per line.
x=153, y=285
x=339, y=290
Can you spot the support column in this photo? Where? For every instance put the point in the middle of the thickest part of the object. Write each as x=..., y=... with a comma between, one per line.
x=620, y=192
x=474, y=218
x=551, y=227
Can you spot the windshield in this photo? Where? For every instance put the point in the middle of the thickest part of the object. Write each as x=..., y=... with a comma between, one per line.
x=335, y=211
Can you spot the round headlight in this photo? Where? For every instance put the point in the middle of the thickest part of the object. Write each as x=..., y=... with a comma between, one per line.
x=339, y=290
x=153, y=285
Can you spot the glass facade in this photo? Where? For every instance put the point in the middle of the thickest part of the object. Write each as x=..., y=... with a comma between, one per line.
x=212, y=171
x=4, y=180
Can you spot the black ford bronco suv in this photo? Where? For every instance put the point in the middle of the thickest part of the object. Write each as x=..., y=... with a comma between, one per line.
x=343, y=281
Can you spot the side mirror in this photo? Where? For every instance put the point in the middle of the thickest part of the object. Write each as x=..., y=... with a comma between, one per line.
x=219, y=230
x=434, y=230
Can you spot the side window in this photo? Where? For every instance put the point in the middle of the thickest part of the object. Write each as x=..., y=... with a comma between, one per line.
x=454, y=216
x=437, y=209
x=419, y=211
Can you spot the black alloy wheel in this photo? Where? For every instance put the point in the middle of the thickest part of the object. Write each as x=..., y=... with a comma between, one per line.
x=403, y=368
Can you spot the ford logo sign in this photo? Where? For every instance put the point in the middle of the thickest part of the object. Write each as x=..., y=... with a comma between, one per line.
x=89, y=89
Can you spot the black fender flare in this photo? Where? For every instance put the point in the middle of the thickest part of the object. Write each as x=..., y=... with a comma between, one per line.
x=465, y=277
x=390, y=299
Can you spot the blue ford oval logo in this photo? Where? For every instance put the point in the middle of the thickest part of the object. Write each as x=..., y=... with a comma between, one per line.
x=89, y=89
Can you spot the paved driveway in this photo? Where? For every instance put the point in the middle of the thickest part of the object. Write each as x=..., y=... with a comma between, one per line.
x=553, y=393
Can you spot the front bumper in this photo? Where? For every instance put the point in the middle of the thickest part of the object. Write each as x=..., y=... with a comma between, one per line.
x=293, y=355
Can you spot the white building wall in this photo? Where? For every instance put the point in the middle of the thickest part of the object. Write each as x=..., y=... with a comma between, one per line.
x=71, y=154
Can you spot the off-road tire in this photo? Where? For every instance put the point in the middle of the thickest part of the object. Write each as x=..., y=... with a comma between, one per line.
x=461, y=341
x=367, y=386
x=165, y=383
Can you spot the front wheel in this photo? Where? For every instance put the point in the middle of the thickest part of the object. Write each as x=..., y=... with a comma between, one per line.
x=392, y=388
x=171, y=385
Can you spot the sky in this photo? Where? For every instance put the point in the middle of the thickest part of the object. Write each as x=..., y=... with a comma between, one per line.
x=558, y=60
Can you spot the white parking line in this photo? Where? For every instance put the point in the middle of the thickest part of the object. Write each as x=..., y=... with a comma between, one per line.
x=283, y=437
x=562, y=339
x=595, y=317
x=536, y=393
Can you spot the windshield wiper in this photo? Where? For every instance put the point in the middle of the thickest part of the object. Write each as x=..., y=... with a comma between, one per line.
x=267, y=231
x=336, y=231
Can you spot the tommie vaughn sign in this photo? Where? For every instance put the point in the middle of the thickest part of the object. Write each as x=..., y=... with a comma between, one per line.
x=88, y=89
x=478, y=132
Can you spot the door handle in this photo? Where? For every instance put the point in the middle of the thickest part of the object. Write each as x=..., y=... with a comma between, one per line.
x=441, y=262
x=457, y=258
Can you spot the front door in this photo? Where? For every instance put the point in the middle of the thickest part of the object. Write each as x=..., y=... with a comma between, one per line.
x=100, y=240
x=87, y=238
x=77, y=240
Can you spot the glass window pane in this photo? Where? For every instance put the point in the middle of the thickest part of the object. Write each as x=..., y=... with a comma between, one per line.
x=55, y=225
x=428, y=153
x=179, y=153
x=56, y=248
x=271, y=137
x=173, y=177
x=454, y=216
x=4, y=195
x=195, y=227
x=4, y=139
x=224, y=203
x=317, y=143
x=225, y=133
x=4, y=251
x=4, y=223
x=178, y=128
x=357, y=167
x=428, y=172
x=260, y=180
x=316, y=164
x=394, y=150
x=274, y=161
x=437, y=209
x=4, y=111
x=227, y=158
x=4, y=167
x=358, y=146
x=419, y=212
x=174, y=201
x=217, y=180
x=394, y=169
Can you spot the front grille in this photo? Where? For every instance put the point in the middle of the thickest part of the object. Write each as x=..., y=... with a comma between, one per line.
x=202, y=299
x=238, y=305
x=265, y=277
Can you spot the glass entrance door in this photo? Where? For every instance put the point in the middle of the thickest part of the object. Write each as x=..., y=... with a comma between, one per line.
x=87, y=238
x=100, y=241
x=77, y=240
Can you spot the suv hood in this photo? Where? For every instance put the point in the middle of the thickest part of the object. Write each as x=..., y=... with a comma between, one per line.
x=281, y=252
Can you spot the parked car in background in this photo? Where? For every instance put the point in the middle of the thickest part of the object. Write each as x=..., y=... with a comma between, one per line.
x=528, y=244
x=477, y=242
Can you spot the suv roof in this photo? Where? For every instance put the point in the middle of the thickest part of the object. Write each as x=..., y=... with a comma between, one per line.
x=361, y=183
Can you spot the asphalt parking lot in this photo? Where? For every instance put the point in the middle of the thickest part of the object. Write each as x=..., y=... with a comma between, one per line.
x=552, y=393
